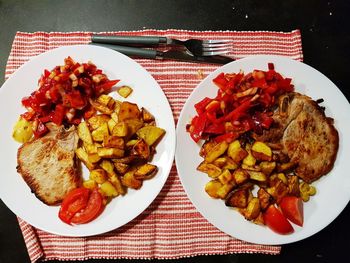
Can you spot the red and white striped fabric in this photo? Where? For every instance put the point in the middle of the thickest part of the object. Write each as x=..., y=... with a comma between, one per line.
x=170, y=227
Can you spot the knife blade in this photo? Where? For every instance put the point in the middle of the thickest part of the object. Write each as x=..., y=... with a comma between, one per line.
x=171, y=54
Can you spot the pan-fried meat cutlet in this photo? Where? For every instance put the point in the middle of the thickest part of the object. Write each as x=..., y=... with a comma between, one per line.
x=306, y=135
x=48, y=164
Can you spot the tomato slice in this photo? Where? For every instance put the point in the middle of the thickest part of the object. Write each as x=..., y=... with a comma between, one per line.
x=75, y=201
x=276, y=221
x=292, y=208
x=93, y=209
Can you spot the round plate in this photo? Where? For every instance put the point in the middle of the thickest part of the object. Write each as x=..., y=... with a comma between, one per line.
x=332, y=190
x=146, y=93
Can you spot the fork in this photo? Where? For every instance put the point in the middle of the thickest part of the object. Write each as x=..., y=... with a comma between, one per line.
x=196, y=46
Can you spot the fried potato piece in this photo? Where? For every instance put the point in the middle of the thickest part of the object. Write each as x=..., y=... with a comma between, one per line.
x=265, y=198
x=120, y=129
x=210, y=169
x=238, y=198
x=108, y=189
x=84, y=133
x=101, y=132
x=105, y=152
x=151, y=134
x=84, y=157
x=104, y=99
x=257, y=176
x=96, y=121
x=212, y=188
x=141, y=149
x=130, y=181
x=216, y=151
x=145, y=171
x=98, y=175
x=241, y=176
x=113, y=142
x=124, y=91
x=236, y=152
x=128, y=110
x=100, y=107
x=261, y=151
x=253, y=209
x=146, y=115
x=225, y=189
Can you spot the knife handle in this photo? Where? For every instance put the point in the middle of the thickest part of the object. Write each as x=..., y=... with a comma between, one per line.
x=129, y=40
x=132, y=51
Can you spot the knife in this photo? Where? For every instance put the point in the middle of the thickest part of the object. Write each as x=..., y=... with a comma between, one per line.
x=171, y=54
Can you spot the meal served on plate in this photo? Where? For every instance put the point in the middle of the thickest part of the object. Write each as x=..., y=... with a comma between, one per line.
x=73, y=117
x=264, y=144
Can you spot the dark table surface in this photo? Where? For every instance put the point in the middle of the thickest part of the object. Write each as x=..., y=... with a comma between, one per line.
x=326, y=43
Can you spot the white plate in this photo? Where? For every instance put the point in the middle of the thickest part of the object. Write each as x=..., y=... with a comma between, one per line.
x=333, y=190
x=147, y=93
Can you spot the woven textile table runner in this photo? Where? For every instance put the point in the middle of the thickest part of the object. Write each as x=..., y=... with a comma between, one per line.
x=170, y=227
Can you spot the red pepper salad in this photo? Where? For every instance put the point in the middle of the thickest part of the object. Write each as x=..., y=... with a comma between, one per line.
x=243, y=103
x=63, y=95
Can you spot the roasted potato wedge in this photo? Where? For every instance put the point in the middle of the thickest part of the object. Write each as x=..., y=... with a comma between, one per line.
x=240, y=176
x=130, y=181
x=84, y=133
x=108, y=189
x=146, y=115
x=236, y=152
x=84, y=157
x=253, y=209
x=238, y=198
x=120, y=129
x=98, y=175
x=113, y=141
x=216, y=151
x=261, y=151
x=210, y=169
x=145, y=171
x=124, y=91
x=128, y=110
x=105, y=152
x=151, y=134
x=212, y=188
x=100, y=133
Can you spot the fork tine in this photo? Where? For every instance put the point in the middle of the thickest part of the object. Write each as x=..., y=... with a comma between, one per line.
x=214, y=53
x=215, y=41
x=216, y=46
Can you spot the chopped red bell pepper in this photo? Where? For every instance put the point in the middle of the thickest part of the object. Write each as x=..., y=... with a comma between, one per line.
x=228, y=137
x=248, y=111
x=221, y=81
x=59, y=114
x=200, y=106
x=40, y=130
x=197, y=126
x=106, y=86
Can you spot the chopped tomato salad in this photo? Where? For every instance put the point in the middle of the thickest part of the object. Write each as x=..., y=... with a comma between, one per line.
x=243, y=103
x=63, y=94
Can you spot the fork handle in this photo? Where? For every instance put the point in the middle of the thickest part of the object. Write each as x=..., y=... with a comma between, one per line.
x=131, y=51
x=129, y=40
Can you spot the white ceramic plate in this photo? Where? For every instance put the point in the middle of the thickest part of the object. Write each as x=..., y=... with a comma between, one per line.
x=147, y=93
x=333, y=190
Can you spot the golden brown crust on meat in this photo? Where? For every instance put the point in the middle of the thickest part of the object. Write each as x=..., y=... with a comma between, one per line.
x=48, y=165
x=309, y=138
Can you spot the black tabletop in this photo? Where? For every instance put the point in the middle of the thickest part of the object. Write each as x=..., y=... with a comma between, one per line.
x=325, y=40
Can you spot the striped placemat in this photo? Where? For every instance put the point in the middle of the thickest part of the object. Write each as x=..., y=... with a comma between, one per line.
x=170, y=227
